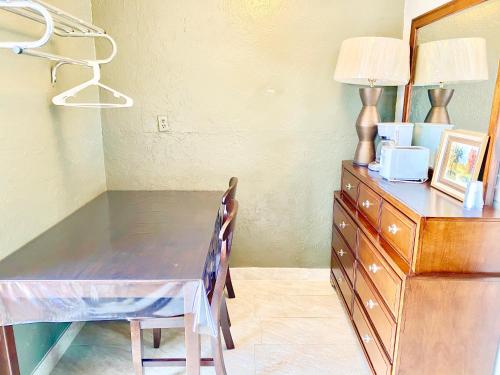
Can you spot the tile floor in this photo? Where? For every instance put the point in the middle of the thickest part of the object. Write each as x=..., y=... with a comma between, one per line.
x=284, y=322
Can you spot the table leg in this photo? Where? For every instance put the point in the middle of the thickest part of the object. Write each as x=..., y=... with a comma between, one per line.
x=137, y=346
x=193, y=346
x=8, y=354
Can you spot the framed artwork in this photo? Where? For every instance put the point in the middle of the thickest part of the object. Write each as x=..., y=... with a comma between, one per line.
x=458, y=161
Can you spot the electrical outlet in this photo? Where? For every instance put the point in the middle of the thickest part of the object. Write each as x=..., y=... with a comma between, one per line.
x=163, y=124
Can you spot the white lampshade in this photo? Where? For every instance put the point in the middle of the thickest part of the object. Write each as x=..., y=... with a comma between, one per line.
x=385, y=61
x=451, y=61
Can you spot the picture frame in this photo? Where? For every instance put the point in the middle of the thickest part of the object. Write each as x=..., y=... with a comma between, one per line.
x=458, y=161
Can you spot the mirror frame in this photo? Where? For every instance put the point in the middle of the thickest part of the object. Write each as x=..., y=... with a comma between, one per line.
x=492, y=158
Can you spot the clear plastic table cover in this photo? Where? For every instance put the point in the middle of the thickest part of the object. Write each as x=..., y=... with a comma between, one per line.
x=124, y=255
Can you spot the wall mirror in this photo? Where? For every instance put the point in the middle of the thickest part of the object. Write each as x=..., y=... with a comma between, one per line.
x=475, y=99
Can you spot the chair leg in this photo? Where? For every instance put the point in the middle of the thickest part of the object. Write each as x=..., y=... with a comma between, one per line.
x=137, y=346
x=156, y=337
x=229, y=285
x=220, y=368
x=225, y=324
x=228, y=317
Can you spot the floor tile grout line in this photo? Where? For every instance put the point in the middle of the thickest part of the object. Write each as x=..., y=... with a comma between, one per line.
x=301, y=317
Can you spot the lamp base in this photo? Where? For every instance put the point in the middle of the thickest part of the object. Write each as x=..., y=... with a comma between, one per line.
x=366, y=125
x=439, y=99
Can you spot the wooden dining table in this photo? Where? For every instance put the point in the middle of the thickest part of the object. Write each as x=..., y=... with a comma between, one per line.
x=124, y=255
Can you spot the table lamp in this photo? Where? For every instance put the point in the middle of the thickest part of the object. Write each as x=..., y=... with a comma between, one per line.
x=449, y=61
x=371, y=61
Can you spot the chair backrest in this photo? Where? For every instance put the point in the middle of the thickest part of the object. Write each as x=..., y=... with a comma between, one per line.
x=226, y=232
x=231, y=191
x=227, y=199
x=226, y=238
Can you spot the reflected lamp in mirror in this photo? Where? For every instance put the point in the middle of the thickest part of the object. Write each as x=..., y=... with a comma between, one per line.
x=371, y=61
x=450, y=61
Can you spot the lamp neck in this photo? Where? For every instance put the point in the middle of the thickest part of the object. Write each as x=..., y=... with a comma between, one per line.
x=441, y=85
x=371, y=82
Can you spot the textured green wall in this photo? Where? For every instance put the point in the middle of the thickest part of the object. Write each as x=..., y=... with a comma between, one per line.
x=33, y=341
x=248, y=90
x=387, y=104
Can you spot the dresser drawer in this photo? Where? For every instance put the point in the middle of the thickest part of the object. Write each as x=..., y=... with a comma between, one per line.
x=382, y=321
x=398, y=230
x=342, y=283
x=386, y=281
x=345, y=225
x=378, y=360
x=369, y=204
x=350, y=185
x=344, y=254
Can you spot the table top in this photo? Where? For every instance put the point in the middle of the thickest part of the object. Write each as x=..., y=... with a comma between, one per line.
x=123, y=235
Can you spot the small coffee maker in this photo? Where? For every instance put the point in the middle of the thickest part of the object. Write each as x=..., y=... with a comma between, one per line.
x=391, y=134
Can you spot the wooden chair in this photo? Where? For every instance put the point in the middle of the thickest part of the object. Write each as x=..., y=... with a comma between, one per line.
x=229, y=196
x=217, y=306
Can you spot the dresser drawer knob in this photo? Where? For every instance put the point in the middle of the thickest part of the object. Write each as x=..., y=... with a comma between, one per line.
x=371, y=304
x=373, y=268
x=367, y=204
x=348, y=186
x=341, y=252
x=393, y=229
x=366, y=339
x=342, y=225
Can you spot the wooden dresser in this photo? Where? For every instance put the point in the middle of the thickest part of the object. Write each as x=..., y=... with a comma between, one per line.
x=419, y=277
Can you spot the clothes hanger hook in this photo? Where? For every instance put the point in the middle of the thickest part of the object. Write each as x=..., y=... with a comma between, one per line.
x=97, y=71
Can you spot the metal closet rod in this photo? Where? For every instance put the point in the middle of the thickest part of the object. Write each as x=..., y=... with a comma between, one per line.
x=50, y=56
x=64, y=23
x=69, y=60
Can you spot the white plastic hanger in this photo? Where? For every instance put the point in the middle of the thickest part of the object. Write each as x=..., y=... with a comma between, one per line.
x=49, y=22
x=61, y=99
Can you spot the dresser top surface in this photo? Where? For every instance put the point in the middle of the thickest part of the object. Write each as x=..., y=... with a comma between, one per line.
x=423, y=199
